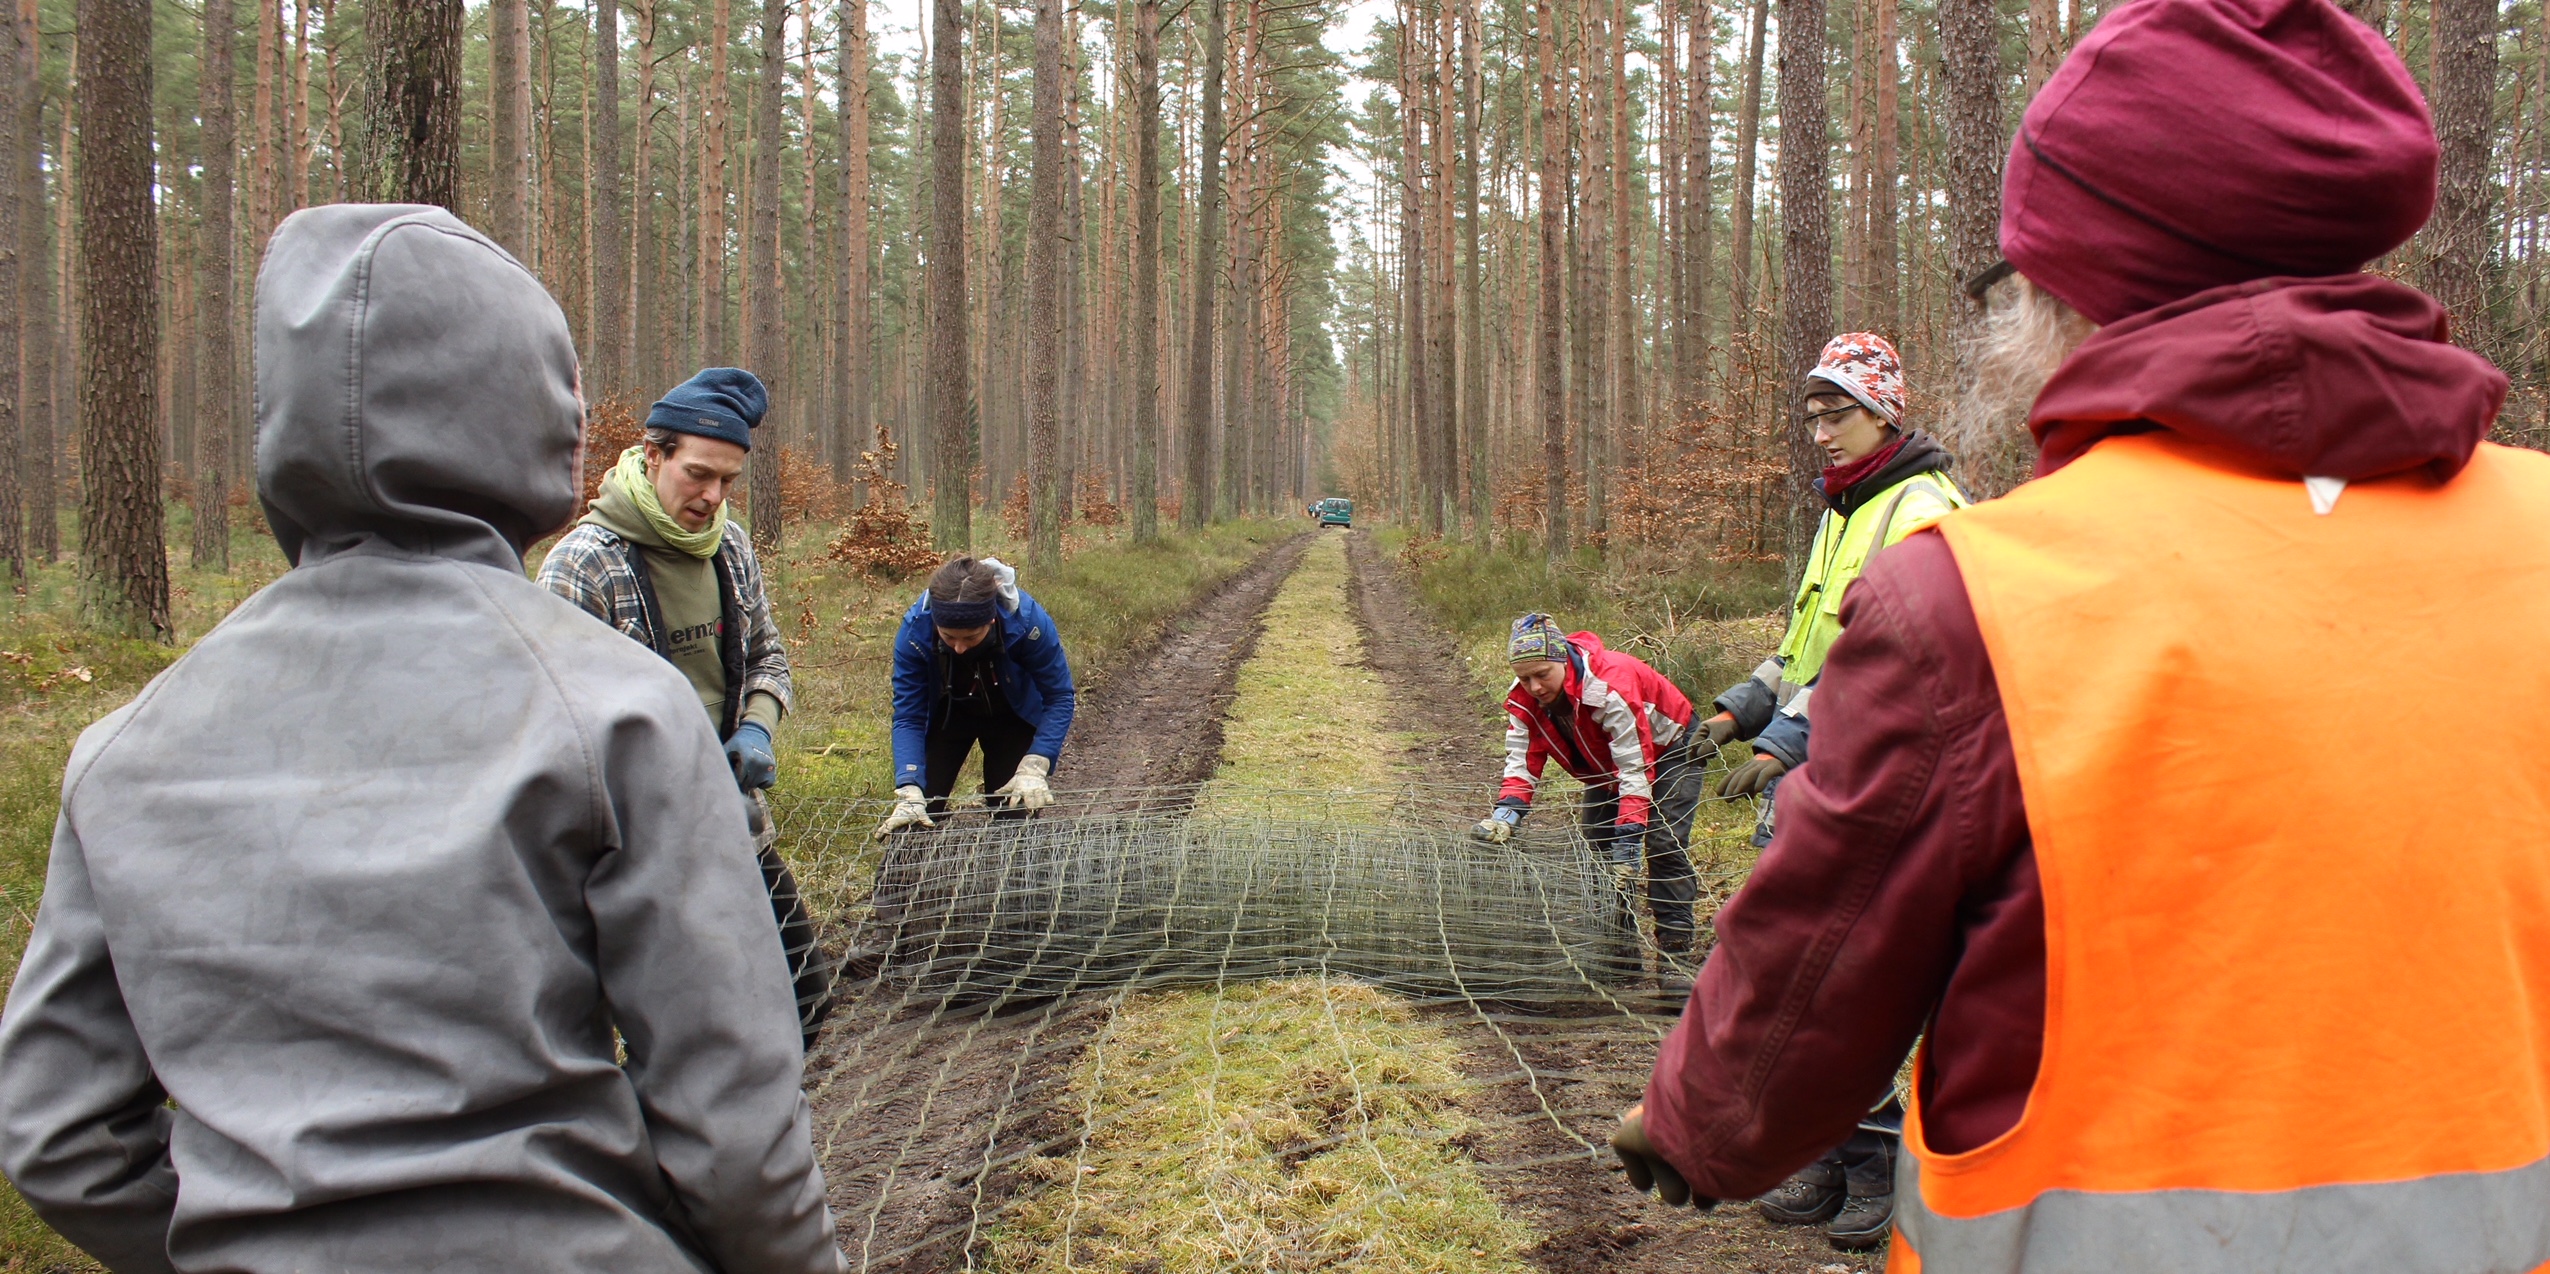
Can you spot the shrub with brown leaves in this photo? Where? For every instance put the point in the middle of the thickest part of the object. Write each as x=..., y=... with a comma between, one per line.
x=883, y=539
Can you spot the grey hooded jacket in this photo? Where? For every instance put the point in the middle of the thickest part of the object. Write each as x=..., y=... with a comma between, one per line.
x=345, y=906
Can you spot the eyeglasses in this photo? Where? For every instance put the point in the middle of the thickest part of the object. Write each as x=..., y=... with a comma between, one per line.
x=1845, y=409
x=1981, y=285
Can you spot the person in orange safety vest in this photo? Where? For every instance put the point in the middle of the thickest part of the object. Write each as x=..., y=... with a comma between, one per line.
x=2202, y=986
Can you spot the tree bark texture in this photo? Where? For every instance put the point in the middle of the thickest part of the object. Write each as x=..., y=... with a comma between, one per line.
x=1195, y=505
x=1970, y=63
x=1748, y=143
x=40, y=369
x=1806, y=232
x=853, y=391
x=606, y=198
x=951, y=397
x=1146, y=270
x=762, y=286
x=1553, y=364
x=217, y=396
x=412, y=101
x=17, y=134
x=1044, y=292
x=509, y=124
x=2465, y=92
x=124, y=563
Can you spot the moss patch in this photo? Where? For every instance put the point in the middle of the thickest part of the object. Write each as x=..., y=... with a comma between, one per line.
x=1297, y=1125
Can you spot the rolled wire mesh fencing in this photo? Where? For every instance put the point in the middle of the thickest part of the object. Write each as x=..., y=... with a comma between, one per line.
x=981, y=957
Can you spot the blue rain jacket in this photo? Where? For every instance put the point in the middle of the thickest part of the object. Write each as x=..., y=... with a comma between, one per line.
x=1035, y=677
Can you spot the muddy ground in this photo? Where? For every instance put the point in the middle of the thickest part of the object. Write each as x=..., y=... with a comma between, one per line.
x=920, y=1106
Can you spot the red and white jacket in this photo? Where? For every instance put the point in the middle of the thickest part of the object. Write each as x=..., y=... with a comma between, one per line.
x=1615, y=718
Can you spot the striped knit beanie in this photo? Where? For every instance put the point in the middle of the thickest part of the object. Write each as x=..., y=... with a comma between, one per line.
x=1536, y=636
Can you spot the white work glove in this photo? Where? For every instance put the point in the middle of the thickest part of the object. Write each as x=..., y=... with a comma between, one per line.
x=1027, y=789
x=911, y=809
x=1498, y=827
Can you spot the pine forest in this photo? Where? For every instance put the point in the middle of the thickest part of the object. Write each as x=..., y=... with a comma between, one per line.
x=1495, y=268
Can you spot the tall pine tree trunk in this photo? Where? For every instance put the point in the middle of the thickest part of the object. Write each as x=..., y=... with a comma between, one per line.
x=1748, y=144
x=761, y=284
x=1884, y=232
x=39, y=298
x=17, y=135
x=710, y=319
x=412, y=102
x=1552, y=358
x=1196, y=505
x=509, y=124
x=1474, y=370
x=605, y=197
x=952, y=461
x=1146, y=270
x=854, y=393
x=1044, y=292
x=123, y=561
x=1806, y=238
x=2465, y=92
x=216, y=360
x=1970, y=64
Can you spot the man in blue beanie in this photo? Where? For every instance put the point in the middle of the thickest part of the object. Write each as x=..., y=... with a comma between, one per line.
x=659, y=559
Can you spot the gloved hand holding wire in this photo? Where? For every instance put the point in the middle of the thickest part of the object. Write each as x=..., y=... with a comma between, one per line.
x=1498, y=827
x=1027, y=789
x=1718, y=730
x=1646, y=1168
x=1753, y=778
x=749, y=755
x=911, y=809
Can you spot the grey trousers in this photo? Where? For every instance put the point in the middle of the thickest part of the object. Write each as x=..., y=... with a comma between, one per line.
x=1679, y=788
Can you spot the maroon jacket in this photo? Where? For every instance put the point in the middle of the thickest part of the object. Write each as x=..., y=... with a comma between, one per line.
x=1901, y=891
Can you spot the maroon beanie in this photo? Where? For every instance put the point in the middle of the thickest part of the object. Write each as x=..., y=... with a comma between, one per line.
x=2189, y=144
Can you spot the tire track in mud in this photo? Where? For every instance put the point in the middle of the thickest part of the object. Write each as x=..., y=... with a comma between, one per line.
x=1525, y=1069
x=914, y=1099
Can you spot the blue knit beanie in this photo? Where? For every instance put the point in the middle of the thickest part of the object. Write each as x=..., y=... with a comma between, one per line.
x=719, y=402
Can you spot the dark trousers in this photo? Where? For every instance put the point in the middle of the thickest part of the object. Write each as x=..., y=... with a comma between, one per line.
x=1679, y=789
x=809, y=968
x=1004, y=737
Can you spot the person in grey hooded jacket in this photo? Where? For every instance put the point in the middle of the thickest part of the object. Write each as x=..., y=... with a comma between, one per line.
x=347, y=907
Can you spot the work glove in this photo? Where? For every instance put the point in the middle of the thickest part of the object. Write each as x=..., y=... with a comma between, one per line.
x=1646, y=1169
x=911, y=809
x=1498, y=827
x=1027, y=789
x=1718, y=730
x=1626, y=843
x=1753, y=777
x=748, y=754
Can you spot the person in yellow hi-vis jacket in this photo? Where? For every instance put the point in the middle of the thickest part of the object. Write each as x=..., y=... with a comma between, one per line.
x=1885, y=482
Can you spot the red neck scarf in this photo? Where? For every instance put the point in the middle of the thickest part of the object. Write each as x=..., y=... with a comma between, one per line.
x=1842, y=477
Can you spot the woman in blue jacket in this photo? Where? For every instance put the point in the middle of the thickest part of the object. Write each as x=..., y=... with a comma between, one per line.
x=976, y=663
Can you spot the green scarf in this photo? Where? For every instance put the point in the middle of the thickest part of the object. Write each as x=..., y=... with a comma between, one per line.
x=629, y=478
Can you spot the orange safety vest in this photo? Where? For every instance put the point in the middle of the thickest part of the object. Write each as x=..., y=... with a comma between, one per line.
x=2297, y=1000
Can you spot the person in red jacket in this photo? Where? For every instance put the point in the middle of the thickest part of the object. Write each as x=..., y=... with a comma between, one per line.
x=1624, y=731
x=2187, y=207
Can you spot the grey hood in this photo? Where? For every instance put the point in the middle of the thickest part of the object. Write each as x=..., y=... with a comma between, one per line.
x=416, y=388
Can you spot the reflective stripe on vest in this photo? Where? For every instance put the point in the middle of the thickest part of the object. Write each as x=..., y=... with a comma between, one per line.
x=2297, y=1010
x=1841, y=551
x=2463, y=1223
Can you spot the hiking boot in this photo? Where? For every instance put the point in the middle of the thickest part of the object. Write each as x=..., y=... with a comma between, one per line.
x=1814, y=1194
x=1673, y=941
x=1863, y=1222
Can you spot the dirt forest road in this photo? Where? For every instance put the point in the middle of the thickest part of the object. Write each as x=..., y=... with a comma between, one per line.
x=912, y=1097
x=919, y=1105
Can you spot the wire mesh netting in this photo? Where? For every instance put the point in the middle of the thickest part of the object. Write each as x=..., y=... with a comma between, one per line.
x=988, y=961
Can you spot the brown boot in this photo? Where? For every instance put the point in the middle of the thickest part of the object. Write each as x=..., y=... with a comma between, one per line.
x=1812, y=1196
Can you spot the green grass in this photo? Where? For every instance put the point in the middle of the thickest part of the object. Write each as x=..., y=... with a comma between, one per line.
x=1304, y=1124
x=56, y=677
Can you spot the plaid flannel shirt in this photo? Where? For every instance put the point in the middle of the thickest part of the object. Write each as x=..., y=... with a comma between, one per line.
x=597, y=571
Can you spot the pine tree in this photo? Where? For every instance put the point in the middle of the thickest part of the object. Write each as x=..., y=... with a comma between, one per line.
x=123, y=563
